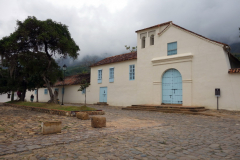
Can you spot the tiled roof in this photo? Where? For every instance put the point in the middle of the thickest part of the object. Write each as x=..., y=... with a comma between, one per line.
x=73, y=80
x=170, y=22
x=117, y=58
x=234, y=70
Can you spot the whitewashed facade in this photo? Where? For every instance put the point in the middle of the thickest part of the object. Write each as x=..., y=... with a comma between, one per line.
x=202, y=64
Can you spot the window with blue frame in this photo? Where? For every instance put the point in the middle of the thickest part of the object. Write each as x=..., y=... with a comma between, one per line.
x=84, y=91
x=172, y=48
x=111, y=74
x=132, y=72
x=45, y=91
x=63, y=89
x=35, y=91
x=100, y=76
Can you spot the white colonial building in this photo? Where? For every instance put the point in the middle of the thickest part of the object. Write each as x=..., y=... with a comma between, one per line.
x=171, y=66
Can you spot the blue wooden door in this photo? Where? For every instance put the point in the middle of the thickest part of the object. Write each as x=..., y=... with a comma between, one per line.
x=103, y=94
x=172, y=87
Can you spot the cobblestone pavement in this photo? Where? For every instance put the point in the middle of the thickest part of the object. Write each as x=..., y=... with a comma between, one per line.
x=128, y=135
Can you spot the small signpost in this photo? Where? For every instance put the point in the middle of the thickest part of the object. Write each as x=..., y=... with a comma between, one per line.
x=217, y=94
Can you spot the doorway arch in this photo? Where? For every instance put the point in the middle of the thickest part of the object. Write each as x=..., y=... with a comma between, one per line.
x=172, y=87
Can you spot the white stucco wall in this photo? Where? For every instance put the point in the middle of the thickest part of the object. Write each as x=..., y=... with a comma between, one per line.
x=201, y=74
x=4, y=97
x=122, y=92
x=71, y=94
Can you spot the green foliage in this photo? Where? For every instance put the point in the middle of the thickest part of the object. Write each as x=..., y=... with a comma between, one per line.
x=77, y=70
x=27, y=54
x=47, y=36
x=84, y=84
x=129, y=48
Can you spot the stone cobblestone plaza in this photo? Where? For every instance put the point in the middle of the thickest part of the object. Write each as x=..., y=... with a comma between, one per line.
x=128, y=135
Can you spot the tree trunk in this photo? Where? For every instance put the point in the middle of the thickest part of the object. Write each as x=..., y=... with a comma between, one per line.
x=22, y=98
x=55, y=96
x=12, y=97
x=37, y=96
x=45, y=78
x=49, y=89
x=85, y=96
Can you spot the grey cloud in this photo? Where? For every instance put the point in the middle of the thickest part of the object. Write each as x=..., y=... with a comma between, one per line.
x=96, y=30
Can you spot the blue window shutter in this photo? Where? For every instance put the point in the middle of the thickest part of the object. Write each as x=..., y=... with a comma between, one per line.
x=63, y=89
x=100, y=76
x=84, y=91
x=172, y=48
x=45, y=91
x=111, y=74
x=132, y=72
x=56, y=89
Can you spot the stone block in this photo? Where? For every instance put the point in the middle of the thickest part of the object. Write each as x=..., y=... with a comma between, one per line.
x=82, y=115
x=51, y=127
x=98, y=122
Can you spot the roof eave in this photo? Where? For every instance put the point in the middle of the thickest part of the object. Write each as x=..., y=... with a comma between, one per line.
x=154, y=26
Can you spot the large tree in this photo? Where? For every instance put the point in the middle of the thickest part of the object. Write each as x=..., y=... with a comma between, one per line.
x=21, y=71
x=47, y=39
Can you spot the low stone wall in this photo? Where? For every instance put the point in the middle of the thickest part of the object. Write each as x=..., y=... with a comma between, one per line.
x=54, y=111
x=94, y=112
x=43, y=110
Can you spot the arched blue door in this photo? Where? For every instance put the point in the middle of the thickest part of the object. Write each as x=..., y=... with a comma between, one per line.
x=172, y=87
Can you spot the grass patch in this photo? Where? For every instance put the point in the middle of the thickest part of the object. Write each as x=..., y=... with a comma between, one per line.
x=2, y=129
x=66, y=127
x=53, y=106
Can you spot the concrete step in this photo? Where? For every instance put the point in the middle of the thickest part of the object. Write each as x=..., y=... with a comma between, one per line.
x=170, y=111
x=101, y=103
x=146, y=108
x=166, y=108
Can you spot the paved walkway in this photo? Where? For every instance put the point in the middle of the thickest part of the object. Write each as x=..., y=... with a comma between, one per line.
x=128, y=135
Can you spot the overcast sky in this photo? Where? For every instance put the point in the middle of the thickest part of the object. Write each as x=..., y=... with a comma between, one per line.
x=105, y=26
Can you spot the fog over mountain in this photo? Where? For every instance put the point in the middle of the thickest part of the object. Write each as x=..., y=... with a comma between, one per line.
x=106, y=26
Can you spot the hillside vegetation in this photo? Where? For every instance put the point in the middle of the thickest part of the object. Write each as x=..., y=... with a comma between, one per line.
x=235, y=49
x=81, y=66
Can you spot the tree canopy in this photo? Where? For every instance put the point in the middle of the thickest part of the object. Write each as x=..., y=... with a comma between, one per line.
x=27, y=54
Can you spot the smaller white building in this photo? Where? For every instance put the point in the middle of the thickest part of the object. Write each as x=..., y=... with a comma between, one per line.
x=69, y=94
x=7, y=97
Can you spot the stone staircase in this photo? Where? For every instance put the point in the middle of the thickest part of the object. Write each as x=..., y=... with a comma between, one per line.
x=167, y=108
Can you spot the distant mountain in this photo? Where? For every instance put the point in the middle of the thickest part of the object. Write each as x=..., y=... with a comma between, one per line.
x=81, y=66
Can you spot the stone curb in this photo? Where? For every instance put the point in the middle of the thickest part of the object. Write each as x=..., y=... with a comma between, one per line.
x=53, y=111
x=39, y=109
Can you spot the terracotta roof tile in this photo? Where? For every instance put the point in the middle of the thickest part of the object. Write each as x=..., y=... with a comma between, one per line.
x=73, y=80
x=183, y=29
x=234, y=70
x=117, y=58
